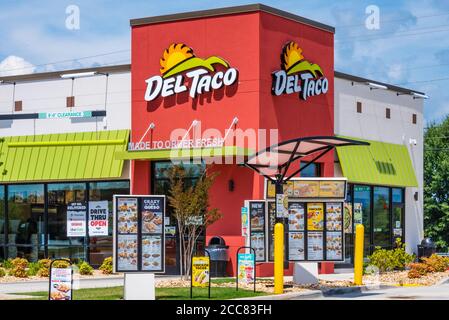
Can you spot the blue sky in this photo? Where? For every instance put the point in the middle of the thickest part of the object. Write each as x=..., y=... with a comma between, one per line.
x=411, y=47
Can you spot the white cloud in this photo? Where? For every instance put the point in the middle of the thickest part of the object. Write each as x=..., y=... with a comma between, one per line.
x=13, y=65
x=395, y=72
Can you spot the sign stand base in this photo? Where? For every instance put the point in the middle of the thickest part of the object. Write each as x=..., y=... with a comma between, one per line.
x=139, y=286
x=305, y=273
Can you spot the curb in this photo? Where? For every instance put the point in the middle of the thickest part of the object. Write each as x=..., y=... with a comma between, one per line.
x=444, y=281
x=287, y=296
x=319, y=293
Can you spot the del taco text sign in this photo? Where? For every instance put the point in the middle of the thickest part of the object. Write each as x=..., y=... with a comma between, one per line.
x=298, y=75
x=178, y=62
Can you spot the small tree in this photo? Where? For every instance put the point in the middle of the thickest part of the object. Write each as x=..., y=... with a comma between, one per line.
x=191, y=210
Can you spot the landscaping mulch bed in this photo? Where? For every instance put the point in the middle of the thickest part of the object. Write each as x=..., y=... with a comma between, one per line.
x=401, y=278
x=96, y=274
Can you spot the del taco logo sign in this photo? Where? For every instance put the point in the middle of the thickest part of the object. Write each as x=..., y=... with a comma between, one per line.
x=298, y=75
x=179, y=62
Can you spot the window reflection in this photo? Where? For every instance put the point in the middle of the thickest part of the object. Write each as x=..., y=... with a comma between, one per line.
x=26, y=221
x=2, y=223
x=362, y=212
x=101, y=247
x=59, y=196
x=381, y=217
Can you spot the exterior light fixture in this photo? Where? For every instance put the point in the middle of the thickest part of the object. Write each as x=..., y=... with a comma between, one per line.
x=78, y=75
x=374, y=86
x=152, y=125
x=235, y=120
x=417, y=95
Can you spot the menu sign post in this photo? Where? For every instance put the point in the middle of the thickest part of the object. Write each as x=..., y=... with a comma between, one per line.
x=61, y=281
x=246, y=268
x=257, y=228
x=139, y=233
x=200, y=273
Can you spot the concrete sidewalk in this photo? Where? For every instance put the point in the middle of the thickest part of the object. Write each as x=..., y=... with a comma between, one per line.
x=85, y=283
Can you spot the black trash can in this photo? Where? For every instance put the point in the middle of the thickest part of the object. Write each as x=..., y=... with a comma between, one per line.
x=426, y=248
x=219, y=256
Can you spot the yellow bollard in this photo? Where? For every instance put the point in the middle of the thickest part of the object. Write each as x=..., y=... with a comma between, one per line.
x=358, y=254
x=279, y=258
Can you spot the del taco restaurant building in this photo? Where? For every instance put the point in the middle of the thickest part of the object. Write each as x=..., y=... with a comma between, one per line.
x=211, y=82
x=196, y=77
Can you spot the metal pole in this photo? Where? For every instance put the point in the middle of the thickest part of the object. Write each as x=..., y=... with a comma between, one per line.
x=358, y=254
x=280, y=192
x=278, y=258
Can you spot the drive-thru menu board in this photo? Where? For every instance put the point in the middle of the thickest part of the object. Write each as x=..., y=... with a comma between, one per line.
x=315, y=221
x=257, y=228
x=139, y=233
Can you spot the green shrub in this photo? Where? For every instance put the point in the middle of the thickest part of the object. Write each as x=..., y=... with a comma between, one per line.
x=437, y=263
x=61, y=264
x=7, y=264
x=2, y=272
x=106, y=266
x=86, y=269
x=33, y=268
x=44, y=263
x=43, y=272
x=44, y=268
x=19, y=262
x=389, y=260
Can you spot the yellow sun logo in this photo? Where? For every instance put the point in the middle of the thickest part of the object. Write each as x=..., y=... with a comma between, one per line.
x=174, y=55
x=179, y=57
x=292, y=61
x=291, y=54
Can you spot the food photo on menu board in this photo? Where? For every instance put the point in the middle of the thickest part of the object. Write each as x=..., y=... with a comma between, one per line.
x=332, y=189
x=315, y=246
x=334, y=217
x=127, y=252
x=296, y=216
x=152, y=215
x=258, y=244
x=315, y=216
x=257, y=216
x=334, y=246
x=127, y=215
x=306, y=189
x=151, y=253
x=296, y=246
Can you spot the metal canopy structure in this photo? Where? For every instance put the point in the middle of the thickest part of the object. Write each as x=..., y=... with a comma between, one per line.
x=274, y=161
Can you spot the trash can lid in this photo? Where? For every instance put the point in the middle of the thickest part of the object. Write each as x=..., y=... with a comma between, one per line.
x=427, y=242
x=217, y=241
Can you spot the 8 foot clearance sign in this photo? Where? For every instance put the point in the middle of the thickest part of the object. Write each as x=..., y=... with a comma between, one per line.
x=139, y=233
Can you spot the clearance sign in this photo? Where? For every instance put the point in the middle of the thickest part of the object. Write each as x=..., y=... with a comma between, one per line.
x=179, y=62
x=298, y=75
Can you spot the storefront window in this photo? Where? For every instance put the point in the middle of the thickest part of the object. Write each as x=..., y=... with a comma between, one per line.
x=101, y=247
x=362, y=212
x=381, y=217
x=161, y=185
x=26, y=232
x=2, y=224
x=313, y=170
x=398, y=214
x=61, y=195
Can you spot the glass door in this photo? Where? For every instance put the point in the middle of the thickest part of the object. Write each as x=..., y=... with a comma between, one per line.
x=381, y=217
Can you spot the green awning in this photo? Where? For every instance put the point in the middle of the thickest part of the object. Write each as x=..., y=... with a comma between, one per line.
x=378, y=164
x=184, y=153
x=66, y=156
